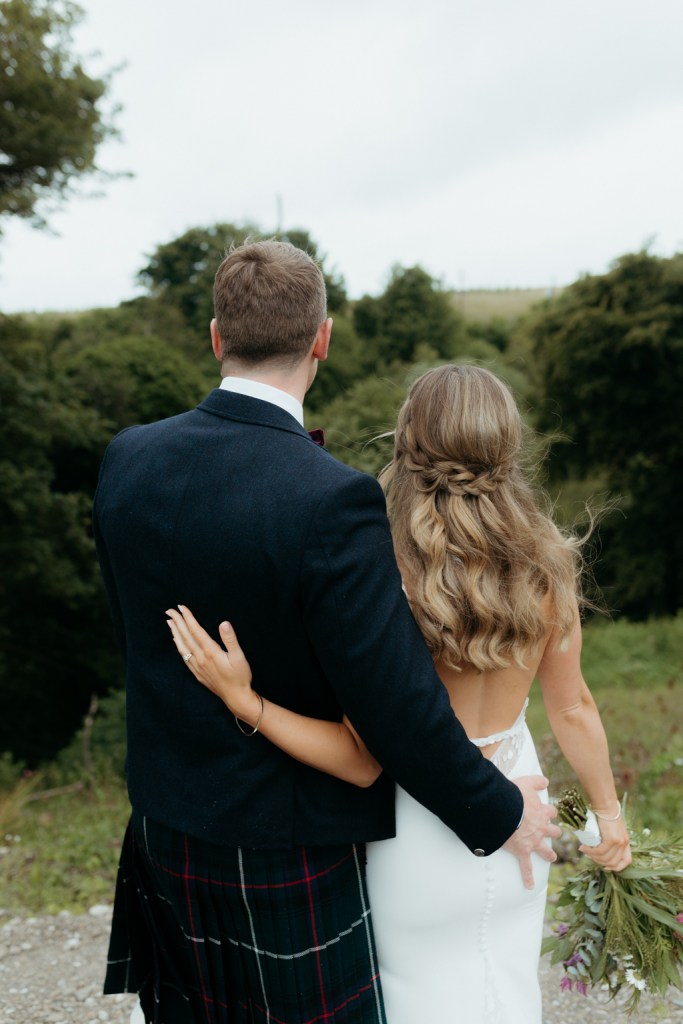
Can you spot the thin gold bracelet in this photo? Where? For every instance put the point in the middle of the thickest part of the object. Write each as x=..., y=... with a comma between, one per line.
x=603, y=817
x=258, y=722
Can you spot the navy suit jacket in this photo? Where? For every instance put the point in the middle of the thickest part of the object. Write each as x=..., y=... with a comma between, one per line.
x=232, y=510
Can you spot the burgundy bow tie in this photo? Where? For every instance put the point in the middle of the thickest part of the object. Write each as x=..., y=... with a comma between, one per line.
x=317, y=436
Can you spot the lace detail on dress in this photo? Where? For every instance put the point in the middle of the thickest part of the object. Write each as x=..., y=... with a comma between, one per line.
x=505, y=756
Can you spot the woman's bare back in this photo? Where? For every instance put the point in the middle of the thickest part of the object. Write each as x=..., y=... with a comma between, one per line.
x=486, y=703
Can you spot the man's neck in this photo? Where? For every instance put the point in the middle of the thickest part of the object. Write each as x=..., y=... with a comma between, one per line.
x=294, y=384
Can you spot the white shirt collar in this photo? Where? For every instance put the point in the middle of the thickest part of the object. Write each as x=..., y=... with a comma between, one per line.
x=267, y=393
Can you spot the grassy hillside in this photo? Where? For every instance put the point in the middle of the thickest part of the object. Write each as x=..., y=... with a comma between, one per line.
x=635, y=672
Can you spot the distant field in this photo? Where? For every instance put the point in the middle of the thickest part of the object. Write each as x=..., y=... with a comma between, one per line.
x=508, y=303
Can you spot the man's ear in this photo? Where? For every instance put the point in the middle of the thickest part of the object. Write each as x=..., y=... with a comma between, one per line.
x=216, y=343
x=322, y=340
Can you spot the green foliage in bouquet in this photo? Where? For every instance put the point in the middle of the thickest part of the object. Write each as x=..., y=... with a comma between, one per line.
x=621, y=929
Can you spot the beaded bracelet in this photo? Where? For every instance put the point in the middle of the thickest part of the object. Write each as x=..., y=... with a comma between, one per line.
x=258, y=721
x=603, y=817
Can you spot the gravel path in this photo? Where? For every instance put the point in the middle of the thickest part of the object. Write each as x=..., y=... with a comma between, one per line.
x=51, y=973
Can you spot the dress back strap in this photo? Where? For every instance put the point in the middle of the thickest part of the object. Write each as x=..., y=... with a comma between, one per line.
x=496, y=737
x=506, y=755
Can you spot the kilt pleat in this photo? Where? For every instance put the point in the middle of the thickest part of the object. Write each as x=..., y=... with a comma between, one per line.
x=217, y=935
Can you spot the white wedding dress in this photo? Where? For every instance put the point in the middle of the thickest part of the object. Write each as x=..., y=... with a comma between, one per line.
x=458, y=936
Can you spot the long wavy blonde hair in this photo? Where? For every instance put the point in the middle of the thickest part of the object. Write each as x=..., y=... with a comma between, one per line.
x=477, y=552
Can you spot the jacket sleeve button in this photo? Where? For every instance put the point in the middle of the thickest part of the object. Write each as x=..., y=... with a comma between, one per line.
x=479, y=853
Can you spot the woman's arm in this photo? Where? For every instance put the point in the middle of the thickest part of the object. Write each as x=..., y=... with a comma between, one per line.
x=332, y=747
x=576, y=723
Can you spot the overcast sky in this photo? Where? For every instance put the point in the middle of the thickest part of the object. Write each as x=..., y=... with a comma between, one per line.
x=496, y=143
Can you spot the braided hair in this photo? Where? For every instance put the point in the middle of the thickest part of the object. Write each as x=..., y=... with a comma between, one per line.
x=478, y=553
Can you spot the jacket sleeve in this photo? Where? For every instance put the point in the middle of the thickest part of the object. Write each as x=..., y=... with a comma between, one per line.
x=373, y=654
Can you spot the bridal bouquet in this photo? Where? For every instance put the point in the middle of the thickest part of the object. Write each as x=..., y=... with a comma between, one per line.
x=620, y=929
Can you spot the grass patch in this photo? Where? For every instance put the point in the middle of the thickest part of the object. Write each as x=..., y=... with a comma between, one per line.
x=634, y=655
x=635, y=672
x=61, y=853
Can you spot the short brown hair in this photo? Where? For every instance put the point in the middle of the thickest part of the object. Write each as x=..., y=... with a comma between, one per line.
x=269, y=301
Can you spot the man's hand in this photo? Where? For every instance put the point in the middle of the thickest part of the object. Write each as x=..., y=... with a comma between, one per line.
x=535, y=829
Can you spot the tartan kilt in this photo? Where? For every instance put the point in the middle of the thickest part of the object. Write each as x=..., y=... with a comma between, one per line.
x=225, y=935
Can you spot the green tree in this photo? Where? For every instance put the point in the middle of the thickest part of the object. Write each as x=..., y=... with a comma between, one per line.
x=51, y=117
x=609, y=363
x=58, y=413
x=134, y=380
x=413, y=310
x=349, y=360
x=495, y=331
x=54, y=633
x=139, y=317
x=359, y=422
x=181, y=272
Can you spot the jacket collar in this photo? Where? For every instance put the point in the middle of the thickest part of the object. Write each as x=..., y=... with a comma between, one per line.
x=232, y=406
x=266, y=392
